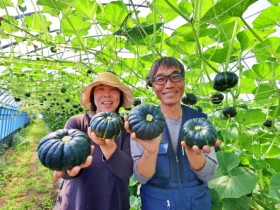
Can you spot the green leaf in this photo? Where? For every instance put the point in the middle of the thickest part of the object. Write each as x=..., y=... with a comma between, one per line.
x=227, y=8
x=261, y=50
x=5, y=3
x=227, y=161
x=184, y=33
x=268, y=18
x=91, y=43
x=258, y=164
x=216, y=54
x=57, y=5
x=113, y=14
x=85, y=8
x=74, y=25
x=266, y=71
x=247, y=85
x=236, y=203
x=263, y=92
x=164, y=10
x=247, y=40
x=274, y=187
x=274, y=163
x=8, y=26
x=138, y=33
x=251, y=117
x=37, y=22
x=239, y=181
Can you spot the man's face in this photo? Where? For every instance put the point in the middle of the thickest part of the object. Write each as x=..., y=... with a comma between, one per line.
x=169, y=92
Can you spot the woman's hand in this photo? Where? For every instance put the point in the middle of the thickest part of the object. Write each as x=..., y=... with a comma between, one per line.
x=108, y=146
x=76, y=169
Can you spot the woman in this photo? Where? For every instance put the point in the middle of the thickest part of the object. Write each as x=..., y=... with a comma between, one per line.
x=101, y=183
x=172, y=175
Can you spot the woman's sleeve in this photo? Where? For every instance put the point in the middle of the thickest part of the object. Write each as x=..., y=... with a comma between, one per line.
x=120, y=163
x=71, y=123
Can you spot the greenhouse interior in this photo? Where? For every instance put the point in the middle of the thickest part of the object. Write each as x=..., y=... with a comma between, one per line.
x=52, y=50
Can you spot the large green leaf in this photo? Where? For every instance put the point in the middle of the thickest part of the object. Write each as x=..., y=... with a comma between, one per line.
x=227, y=161
x=247, y=85
x=267, y=71
x=227, y=8
x=164, y=10
x=247, y=40
x=274, y=163
x=8, y=25
x=274, y=187
x=236, y=203
x=57, y=5
x=237, y=181
x=74, y=25
x=37, y=22
x=85, y=8
x=138, y=33
x=5, y=3
x=268, y=18
x=251, y=117
x=262, y=51
x=263, y=92
x=113, y=14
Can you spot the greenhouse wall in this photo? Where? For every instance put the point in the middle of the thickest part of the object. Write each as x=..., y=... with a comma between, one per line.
x=11, y=120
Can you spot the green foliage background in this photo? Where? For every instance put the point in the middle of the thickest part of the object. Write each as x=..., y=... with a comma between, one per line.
x=64, y=44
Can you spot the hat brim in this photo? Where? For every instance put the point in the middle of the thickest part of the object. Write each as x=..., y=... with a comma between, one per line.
x=86, y=93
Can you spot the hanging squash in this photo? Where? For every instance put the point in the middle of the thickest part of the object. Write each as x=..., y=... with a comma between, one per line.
x=224, y=81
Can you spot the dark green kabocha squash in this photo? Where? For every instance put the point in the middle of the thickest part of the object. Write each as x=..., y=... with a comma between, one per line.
x=217, y=98
x=224, y=81
x=229, y=112
x=106, y=125
x=189, y=99
x=147, y=121
x=200, y=132
x=63, y=149
x=137, y=101
x=267, y=123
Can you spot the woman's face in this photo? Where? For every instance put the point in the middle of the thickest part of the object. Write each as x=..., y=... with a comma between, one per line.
x=106, y=98
x=169, y=93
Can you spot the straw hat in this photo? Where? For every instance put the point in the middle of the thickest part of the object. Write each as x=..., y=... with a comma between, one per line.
x=106, y=78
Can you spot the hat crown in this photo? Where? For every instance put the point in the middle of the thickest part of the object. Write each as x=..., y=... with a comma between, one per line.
x=107, y=77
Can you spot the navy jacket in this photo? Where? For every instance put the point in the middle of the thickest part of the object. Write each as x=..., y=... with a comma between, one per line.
x=174, y=185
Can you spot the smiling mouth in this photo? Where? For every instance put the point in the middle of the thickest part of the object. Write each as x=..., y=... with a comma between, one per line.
x=107, y=103
x=171, y=92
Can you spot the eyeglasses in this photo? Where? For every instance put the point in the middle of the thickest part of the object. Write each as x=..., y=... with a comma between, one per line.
x=162, y=79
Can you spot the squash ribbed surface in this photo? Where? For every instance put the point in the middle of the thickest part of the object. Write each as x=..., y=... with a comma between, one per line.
x=147, y=121
x=56, y=154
